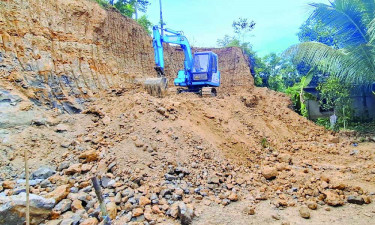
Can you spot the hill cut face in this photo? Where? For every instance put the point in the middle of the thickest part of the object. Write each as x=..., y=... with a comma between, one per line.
x=59, y=53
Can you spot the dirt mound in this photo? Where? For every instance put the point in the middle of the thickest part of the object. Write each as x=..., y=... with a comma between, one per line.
x=152, y=154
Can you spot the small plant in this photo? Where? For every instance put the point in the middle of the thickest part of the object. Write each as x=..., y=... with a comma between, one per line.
x=325, y=122
x=264, y=143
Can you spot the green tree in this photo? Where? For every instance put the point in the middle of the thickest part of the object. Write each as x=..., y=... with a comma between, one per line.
x=242, y=27
x=334, y=94
x=315, y=30
x=354, y=26
x=299, y=96
x=145, y=23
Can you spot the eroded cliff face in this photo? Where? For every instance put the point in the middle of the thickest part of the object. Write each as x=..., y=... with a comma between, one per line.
x=60, y=52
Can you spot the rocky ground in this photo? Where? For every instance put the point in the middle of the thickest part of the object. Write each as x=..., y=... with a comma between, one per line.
x=243, y=156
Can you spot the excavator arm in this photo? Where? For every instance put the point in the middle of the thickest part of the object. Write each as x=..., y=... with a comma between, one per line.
x=173, y=37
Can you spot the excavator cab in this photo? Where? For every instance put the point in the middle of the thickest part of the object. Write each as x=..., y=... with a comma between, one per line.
x=204, y=72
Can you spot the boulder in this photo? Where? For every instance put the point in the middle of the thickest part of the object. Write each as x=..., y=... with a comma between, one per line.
x=112, y=210
x=12, y=209
x=185, y=213
x=356, y=200
x=9, y=184
x=89, y=156
x=63, y=206
x=75, y=168
x=269, y=173
x=333, y=199
x=59, y=193
x=304, y=212
x=144, y=201
x=42, y=173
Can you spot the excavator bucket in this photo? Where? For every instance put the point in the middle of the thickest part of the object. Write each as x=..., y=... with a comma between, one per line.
x=156, y=86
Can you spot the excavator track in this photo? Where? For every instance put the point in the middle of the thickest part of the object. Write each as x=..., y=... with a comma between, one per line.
x=208, y=92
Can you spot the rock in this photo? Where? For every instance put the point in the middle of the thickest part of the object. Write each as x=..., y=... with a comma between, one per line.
x=161, y=110
x=143, y=201
x=233, y=197
x=312, y=205
x=269, y=173
x=9, y=184
x=118, y=198
x=137, y=212
x=170, y=177
x=63, y=165
x=59, y=193
x=112, y=210
x=214, y=180
x=333, y=199
x=76, y=205
x=356, y=200
x=42, y=173
x=335, y=140
x=75, y=168
x=185, y=213
x=276, y=216
x=45, y=183
x=367, y=199
x=63, y=205
x=107, y=182
x=61, y=128
x=148, y=214
x=337, y=184
x=12, y=209
x=304, y=212
x=89, y=156
x=90, y=221
x=138, y=143
x=85, y=168
x=249, y=210
x=173, y=211
x=156, y=209
x=106, y=120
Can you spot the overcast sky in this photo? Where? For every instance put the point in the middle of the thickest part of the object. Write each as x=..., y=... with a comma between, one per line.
x=204, y=21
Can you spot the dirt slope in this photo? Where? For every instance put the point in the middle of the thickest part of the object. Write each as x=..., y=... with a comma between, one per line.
x=58, y=53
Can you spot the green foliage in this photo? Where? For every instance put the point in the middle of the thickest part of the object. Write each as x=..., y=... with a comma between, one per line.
x=145, y=23
x=353, y=23
x=334, y=94
x=298, y=95
x=258, y=81
x=103, y=3
x=125, y=9
x=325, y=122
x=315, y=30
x=277, y=73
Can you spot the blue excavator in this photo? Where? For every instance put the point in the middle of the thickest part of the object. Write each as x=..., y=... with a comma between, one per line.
x=200, y=75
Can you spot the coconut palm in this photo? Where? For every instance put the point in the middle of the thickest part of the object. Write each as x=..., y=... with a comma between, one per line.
x=354, y=24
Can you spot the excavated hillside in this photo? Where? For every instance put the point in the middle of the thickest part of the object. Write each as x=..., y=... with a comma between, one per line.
x=71, y=95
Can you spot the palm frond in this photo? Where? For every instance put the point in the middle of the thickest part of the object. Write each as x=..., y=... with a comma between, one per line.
x=345, y=16
x=354, y=65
